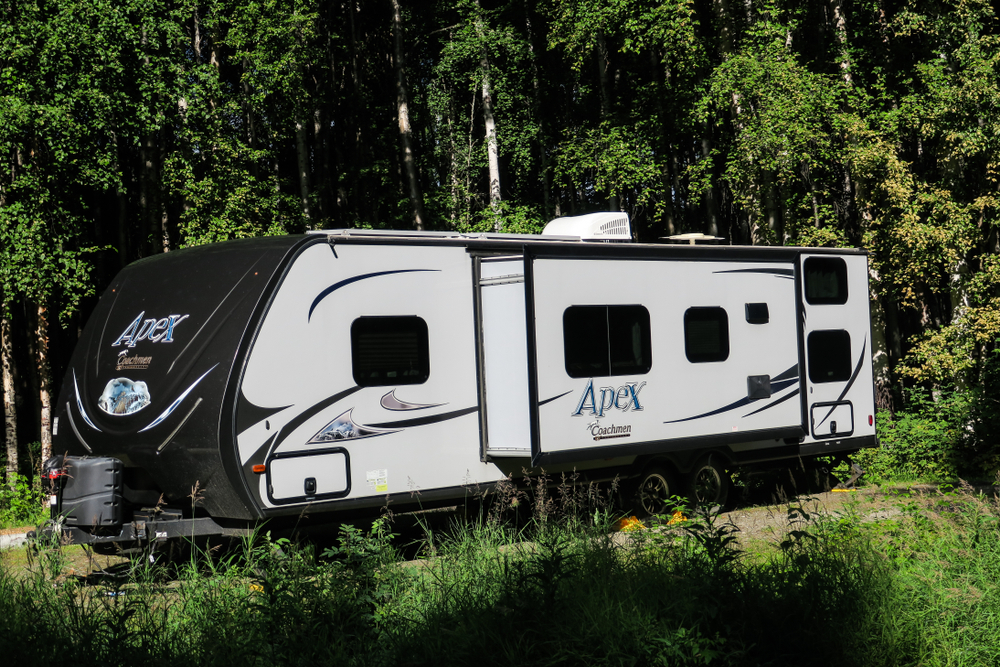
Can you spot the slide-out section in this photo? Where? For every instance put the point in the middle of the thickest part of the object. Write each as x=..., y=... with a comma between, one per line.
x=648, y=354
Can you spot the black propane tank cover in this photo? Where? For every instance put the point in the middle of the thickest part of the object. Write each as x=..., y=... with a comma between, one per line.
x=92, y=491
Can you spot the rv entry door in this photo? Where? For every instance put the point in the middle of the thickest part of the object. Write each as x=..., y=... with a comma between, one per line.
x=837, y=346
x=504, y=358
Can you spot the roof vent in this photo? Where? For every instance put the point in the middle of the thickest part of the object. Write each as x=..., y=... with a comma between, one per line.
x=693, y=238
x=606, y=226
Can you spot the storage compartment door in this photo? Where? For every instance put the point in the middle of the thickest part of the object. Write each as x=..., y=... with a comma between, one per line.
x=308, y=476
x=832, y=420
x=504, y=371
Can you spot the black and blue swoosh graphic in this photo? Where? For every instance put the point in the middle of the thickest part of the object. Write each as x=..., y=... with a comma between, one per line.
x=780, y=382
x=364, y=276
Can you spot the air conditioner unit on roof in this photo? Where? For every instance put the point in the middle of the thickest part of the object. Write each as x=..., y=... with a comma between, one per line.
x=605, y=226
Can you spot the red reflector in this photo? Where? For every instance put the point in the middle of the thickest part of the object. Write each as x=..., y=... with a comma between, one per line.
x=259, y=468
x=871, y=420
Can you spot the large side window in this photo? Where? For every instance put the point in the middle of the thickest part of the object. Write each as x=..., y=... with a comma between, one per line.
x=829, y=356
x=389, y=351
x=825, y=280
x=600, y=341
x=706, y=334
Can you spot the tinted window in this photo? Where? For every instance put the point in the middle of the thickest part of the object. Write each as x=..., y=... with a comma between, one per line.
x=825, y=280
x=389, y=351
x=829, y=356
x=706, y=334
x=599, y=341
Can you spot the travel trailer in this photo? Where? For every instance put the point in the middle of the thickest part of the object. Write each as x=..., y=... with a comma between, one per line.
x=220, y=386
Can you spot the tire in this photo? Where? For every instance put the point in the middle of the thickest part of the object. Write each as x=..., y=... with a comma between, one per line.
x=653, y=491
x=708, y=482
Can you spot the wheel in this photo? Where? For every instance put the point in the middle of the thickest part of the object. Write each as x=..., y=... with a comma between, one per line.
x=708, y=482
x=653, y=491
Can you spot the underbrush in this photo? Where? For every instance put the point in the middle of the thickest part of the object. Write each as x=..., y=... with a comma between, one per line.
x=564, y=588
x=21, y=504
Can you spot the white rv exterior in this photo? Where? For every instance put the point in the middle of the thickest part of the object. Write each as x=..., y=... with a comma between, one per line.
x=379, y=365
x=498, y=396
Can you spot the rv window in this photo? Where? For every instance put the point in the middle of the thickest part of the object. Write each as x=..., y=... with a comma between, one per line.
x=826, y=280
x=829, y=356
x=599, y=341
x=706, y=334
x=389, y=351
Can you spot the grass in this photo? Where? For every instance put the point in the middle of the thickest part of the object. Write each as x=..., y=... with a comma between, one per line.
x=559, y=588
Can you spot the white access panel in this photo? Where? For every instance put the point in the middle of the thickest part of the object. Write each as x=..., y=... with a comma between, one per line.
x=288, y=475
x=831, y=420
x=505, y=357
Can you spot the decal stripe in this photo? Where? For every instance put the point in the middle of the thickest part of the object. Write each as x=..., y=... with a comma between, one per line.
x=343, y=283
x=179, y=426
x=79, y=405
x=249, y=414
x=792, y=372
x=738, y=404
x=777, y=402
x=209, y=318
x=355, y=431
x=173, y=406
x=781, y=273
x=100, y=341
x=76, y=432
x=301, y=418
x=549, y=400
x=390, y=402
x=854, y=376
x=423, y=421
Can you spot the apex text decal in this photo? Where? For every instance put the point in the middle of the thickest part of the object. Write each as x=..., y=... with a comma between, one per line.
x=624, y=398
x=155, y=330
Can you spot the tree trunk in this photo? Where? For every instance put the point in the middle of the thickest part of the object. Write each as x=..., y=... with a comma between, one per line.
x=711, y=203
x=880, y=353
x=302, y=155
x=9, y=400
x=491, y=146
x=44, y=382
x=539, y=115
x=403, y=112
x=149, y=178
x=840, y=34
x=772, y=211
x=660, y=82
x=321, y=157
x=602, y=77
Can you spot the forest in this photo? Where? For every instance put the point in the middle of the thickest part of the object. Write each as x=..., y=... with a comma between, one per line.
x=135, y=127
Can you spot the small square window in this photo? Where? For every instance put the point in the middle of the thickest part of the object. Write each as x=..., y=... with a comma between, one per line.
x=829, y=356
x=825, y=281
x=600, y=341
x=388, y=351
x=706, y=334
x=757, y=313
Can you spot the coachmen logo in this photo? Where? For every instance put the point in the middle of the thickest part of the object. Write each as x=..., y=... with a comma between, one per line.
x=155, y=330
x=606, y=432
x=135, y=362
x=624, y=398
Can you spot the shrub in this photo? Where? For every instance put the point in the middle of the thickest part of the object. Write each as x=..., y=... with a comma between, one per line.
x=21, y=505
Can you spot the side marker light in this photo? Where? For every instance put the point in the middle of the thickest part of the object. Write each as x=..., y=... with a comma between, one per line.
x=259, y=468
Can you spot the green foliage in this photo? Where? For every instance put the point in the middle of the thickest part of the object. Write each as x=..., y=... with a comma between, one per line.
x=830, y=590
x=22, y=504
x=911, y=446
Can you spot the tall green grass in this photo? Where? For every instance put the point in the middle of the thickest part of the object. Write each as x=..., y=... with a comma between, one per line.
x=563, y=588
